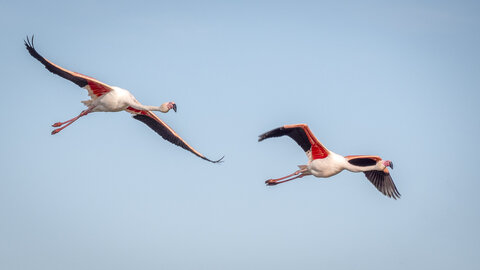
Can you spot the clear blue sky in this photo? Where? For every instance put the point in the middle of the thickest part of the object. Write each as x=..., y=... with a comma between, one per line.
x=400, y=80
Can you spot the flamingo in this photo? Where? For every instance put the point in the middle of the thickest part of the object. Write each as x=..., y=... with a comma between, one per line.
x=106, y=98
x=325, y=163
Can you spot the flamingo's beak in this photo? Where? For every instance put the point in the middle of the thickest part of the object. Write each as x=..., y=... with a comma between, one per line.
x=390, y=165
x=174, y=107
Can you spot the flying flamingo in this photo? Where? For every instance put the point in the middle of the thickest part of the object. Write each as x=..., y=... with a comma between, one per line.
x=106, y=98
x=325, y=163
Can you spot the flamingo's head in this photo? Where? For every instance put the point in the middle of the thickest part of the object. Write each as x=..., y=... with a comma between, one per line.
x=388, y=163
x=167, y=106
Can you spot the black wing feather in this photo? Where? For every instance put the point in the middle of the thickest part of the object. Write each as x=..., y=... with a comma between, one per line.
x=168, y=135
x=52, y=68
x=383, y=182
x=363, y=162
x=297, y=134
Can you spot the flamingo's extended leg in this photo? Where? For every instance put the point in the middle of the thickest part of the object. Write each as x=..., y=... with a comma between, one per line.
x=59, y=124
x=69, y=122
x=273, y=182
x=299, y=174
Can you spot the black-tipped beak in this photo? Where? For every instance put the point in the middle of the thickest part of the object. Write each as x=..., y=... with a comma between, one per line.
x=175, y=107
x=391, y=165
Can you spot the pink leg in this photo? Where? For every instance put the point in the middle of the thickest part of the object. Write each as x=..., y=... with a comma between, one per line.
x=271, y=182
x=59, y=124
x=69, y=122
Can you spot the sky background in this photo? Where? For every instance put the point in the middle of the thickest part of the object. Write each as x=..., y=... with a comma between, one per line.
x=397, y=79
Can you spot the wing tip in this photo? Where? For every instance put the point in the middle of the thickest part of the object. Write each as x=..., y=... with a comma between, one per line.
x=270, y=133
x=29, y=43
x=215, y=161
x=392, y=191
x=384, y=183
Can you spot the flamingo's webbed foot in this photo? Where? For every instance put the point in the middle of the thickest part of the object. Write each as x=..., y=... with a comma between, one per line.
x=55, y=131
x=271, y=182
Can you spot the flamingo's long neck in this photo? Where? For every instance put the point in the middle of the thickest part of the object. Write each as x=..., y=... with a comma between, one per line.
x=140, y=106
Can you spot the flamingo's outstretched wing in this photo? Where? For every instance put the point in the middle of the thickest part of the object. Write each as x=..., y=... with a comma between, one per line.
x=380, y=179
x=94, y=87
x=304, y=137
x=383, y=182
x=155, y=123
